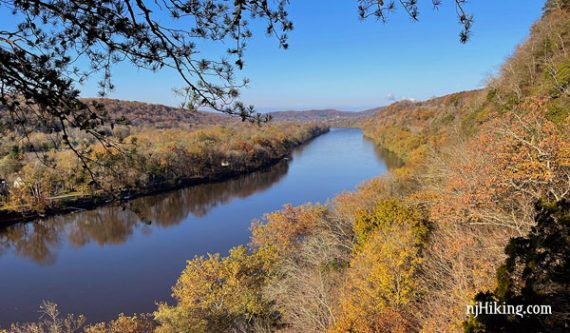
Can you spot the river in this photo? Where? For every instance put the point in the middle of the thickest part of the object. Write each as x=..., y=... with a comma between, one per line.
x=125, y=259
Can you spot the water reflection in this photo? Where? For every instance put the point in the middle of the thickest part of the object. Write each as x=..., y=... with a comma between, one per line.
x=36, y=241
x=391, y=160
x=41, y=240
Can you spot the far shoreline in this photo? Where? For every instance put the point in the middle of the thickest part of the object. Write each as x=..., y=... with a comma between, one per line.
x=89, y=202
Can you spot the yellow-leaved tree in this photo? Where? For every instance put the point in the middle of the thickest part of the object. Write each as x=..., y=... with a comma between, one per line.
x=217, y=294
x=381, y=282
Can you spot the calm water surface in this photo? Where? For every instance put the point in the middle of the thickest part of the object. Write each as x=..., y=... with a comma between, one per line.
x=112, y=260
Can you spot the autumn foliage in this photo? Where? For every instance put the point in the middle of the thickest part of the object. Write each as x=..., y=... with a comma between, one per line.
x=409, y=251
x=145, y=160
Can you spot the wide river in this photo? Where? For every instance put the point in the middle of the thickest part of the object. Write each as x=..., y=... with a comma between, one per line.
x=125, y=259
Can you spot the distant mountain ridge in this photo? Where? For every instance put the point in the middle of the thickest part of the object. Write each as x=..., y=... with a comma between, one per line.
x=163, y=116
x=322, y=115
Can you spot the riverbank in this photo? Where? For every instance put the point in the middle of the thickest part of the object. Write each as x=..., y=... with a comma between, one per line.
x=71, y=203
x=87, y=202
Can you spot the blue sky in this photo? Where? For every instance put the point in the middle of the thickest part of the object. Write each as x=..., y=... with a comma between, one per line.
x=337, y=61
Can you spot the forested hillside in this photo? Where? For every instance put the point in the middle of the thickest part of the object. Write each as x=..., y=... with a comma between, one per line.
x=159, y=116
x=477, y=162
x=409, y=251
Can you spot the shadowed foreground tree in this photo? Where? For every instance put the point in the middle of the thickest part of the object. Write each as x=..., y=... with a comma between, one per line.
x=39, y=56
x=535, y=273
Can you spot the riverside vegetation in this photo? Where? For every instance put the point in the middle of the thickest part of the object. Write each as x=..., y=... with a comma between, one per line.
x=41, y=178
x=409, y=251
